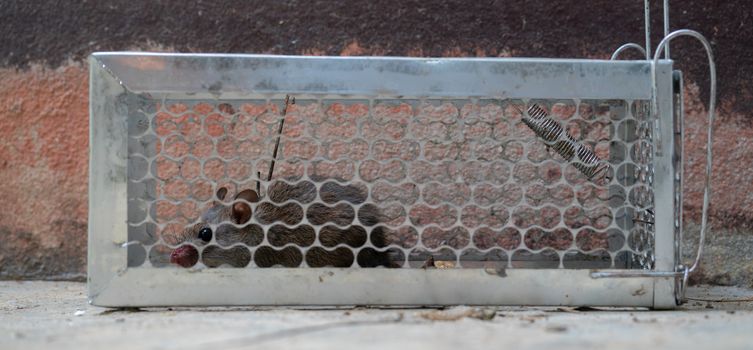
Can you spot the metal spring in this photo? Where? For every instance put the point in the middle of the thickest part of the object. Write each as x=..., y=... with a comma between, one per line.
x=552, y=132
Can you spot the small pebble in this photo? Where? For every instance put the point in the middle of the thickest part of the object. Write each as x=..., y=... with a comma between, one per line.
x=79, y=313
x=556, y=328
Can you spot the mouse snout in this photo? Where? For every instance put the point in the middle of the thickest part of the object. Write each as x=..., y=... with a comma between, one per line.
x=185, y=256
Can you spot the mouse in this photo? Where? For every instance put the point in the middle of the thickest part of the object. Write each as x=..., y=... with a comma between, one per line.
x=289, y=212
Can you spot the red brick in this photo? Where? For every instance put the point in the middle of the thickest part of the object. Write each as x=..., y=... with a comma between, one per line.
x=304, y=149
x=507, y=194
x=435, y=237
x=400, y=112
x=227, y=147
x=405, y=150
x=175, y=146
x=435, y=193
x=176, y=189
x=406, y=193
x=403, y=236
x=495, y=216
x=238, y=170
x=536, y=239
x=422, y=215
x=507, y=238
x=422, y=172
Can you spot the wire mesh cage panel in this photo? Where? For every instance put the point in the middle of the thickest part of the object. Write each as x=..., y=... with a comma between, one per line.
x=242, y=179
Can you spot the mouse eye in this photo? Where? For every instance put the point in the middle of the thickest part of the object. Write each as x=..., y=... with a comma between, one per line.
x=205, y=234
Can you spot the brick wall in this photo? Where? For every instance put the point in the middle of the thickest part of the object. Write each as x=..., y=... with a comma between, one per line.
x=43, y=90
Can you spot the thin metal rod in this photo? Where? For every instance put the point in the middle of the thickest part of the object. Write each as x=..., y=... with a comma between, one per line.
x=681, y=122
x=279, y=134
x=258, y=182
x=647, y=28
x=634, y=273
x=666, y=26
x=710, y=134
x=625, y=47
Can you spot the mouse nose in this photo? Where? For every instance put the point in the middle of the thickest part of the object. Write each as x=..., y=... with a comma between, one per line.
x=185, y=256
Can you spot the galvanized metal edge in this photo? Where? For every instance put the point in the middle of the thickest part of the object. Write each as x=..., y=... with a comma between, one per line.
x=402, y=287
x=209, y=75
x=108, y=154
x=664, y=192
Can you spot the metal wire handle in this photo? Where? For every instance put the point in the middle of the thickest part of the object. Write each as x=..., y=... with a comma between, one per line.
x=625, y=47
x=681, y=272
x=712, y=106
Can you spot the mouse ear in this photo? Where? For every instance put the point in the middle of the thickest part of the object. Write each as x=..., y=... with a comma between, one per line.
x=242, y=211
x=249, y=195
x=221, y=193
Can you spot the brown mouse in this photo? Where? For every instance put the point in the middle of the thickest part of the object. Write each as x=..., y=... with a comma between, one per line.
x=225, y=228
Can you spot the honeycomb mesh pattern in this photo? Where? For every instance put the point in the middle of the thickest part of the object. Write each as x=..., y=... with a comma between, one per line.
x=423, y=182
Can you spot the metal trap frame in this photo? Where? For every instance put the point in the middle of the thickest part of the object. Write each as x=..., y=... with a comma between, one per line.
x=500, y=181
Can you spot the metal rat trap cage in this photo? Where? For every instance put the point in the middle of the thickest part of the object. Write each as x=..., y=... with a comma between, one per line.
x=482, y=181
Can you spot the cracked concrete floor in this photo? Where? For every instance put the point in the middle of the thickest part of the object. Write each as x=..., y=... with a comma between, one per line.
x=55, y=315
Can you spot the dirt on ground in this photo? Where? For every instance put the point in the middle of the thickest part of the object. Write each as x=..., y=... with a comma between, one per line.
x=44, y=315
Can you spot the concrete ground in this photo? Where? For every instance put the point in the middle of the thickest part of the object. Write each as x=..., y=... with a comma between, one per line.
x=55, y=315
